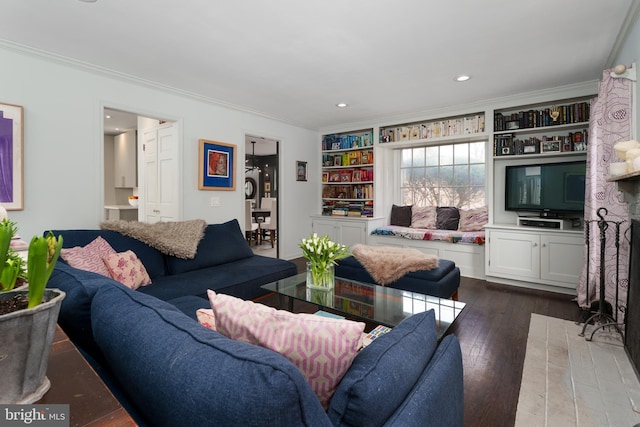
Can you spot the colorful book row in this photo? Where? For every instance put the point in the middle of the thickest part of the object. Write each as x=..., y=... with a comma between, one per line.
x=351, y=158
x=434, y=129
x=345, y=142
x=348, y=175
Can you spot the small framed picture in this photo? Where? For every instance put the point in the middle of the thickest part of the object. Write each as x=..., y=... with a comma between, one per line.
x=551, y=146
x=337, y=161
x=325, y=176
x=301, y=170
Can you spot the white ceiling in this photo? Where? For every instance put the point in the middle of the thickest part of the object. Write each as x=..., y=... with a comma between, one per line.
x=294, y=60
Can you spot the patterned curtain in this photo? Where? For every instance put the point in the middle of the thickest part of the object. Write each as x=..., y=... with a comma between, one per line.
x=610, y=122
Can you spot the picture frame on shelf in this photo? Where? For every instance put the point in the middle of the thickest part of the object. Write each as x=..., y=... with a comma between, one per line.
x=337, y=161
x=550, y=146
x=216, y=169
x=325, y=176
x=512, y=125
x=12, y=157
x=301, y=170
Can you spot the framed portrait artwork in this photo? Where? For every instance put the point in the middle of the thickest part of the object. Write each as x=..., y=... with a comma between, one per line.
x=11, y=157
x=301, y=170
x=216, y=170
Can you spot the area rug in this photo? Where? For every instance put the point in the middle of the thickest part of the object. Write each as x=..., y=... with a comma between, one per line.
x=387, y=264
x=569, y=381
x=178, y=238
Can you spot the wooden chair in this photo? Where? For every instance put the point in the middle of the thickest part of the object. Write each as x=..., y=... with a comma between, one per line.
x=251, y=229
x=270, y=228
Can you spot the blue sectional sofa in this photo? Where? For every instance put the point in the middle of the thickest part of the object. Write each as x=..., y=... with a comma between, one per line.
x=168, y=370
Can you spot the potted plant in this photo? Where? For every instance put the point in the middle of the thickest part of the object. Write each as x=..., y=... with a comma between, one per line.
x=27, y=316
x=322, y=254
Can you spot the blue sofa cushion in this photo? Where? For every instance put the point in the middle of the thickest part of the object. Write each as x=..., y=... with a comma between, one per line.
x=433, y=275
x=241, y=278
x=439, y=393
x=151, y=258
x=75, y=312
x=384, y=372
x=177, y=372
x=221, y=244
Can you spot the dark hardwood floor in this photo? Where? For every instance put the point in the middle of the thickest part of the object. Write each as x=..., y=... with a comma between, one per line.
x=493, y=331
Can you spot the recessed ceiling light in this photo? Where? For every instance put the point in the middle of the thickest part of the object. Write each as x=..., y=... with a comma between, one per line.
x=462, y=78
x=89, y=1
x=342, y=105
x=107, y=116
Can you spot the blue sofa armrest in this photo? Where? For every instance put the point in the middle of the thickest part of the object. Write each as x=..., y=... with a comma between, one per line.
x=439, y=393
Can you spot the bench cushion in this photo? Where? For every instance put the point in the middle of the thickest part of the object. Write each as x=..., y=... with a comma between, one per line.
x=442, y=282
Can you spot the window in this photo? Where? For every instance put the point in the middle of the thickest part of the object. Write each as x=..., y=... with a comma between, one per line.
x=444, y=175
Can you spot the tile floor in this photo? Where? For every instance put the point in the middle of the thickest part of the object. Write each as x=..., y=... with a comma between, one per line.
x=568, y=381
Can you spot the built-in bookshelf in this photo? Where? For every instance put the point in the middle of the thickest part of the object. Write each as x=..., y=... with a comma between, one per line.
x=542, y=129
x=347, y=174
x=457, y=126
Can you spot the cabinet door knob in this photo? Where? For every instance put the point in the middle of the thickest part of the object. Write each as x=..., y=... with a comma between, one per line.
x=544, y=245
x=535, y=244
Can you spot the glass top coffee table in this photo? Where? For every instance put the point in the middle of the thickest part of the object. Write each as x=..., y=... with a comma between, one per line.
x=369, y=302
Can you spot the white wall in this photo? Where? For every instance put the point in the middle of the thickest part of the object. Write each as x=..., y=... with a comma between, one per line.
x=630, y=53
x=64, y=146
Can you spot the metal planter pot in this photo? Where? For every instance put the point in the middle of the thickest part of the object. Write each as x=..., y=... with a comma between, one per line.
x=25, y=344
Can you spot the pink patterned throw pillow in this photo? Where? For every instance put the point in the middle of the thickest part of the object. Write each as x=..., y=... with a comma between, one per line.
x=127, y=269
x=473, y=219
x=206, y=318
x=423, y=217
x=89, y=257
x=322, y=348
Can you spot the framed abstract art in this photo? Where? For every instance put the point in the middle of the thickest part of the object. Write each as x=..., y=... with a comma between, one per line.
x=11, y=157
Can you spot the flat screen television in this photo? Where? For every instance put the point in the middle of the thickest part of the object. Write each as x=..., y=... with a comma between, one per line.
x=550, y=189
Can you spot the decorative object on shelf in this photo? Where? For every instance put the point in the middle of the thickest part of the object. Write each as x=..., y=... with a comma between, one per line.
x=555, y=113
x=322, y=254
x=301, y=170
x=11, y=157
x=216, y=166
x=27, y=317
x=133, y=201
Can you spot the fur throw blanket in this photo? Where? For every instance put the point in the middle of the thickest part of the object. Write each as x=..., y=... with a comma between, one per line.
x=179, y=239
x=388, y=264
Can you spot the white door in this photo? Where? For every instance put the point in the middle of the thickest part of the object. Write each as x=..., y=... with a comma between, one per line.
x=161, y=172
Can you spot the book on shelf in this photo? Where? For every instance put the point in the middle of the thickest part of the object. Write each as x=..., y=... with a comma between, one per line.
x=345, y=142
x=577, y=112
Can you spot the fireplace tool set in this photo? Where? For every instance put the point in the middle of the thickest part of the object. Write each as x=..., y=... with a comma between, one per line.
x=603, y=315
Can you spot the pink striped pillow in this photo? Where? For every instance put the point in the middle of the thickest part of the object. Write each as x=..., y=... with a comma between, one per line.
x=321, y=347
x=89, y=257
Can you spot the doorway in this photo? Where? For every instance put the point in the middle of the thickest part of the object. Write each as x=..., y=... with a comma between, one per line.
x=126, y=175
x=262, y=188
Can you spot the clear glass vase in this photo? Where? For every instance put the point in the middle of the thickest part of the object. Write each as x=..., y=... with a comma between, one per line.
x=320, y=277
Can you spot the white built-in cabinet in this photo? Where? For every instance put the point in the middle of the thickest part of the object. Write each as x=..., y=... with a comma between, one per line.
x=553, y=258
x=346, y=231
x=125, y=173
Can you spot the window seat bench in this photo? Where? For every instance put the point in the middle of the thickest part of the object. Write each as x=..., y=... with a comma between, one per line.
x=466, y=248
